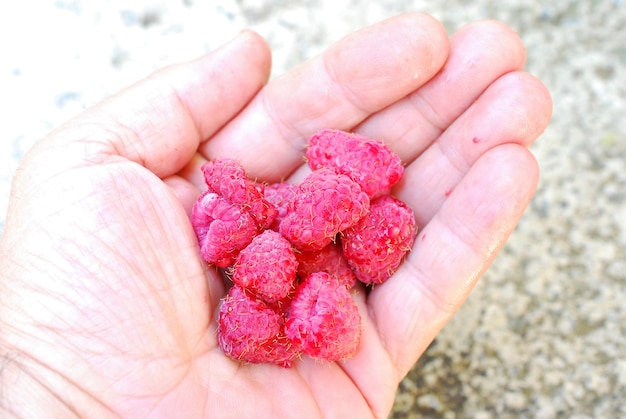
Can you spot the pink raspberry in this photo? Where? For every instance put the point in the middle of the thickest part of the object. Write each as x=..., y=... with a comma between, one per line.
x=330, y=259
x=280, y=195
x=267, y=267
x=377, y=244
x=323, y=319
x=325, y=204
x=369, y=163
x=222, y=228
x=250, y=331
x=338, y=226
x=227, y=178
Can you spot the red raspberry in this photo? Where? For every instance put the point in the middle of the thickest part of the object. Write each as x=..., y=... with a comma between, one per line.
x=280, y=195
x=227, y=178
x=267, y=267
x=222, y=228
x=329, y=260
x=325, y=204
x=250, y=331
x=323, y=319
x=369, y=163
x=376, y=245
x=265, y=317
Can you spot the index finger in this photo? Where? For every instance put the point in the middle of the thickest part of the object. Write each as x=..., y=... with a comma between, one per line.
x=360, y=75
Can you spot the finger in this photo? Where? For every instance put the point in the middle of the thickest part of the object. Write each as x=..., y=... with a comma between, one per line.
x=192, y=171
x=514, y=109
x=160, y=121
x=360, y=75
x=480, y=53
x=453, y=251
x=359, y=368
x=185, y=191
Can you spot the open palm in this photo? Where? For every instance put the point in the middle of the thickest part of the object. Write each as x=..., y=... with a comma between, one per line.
x=106, y=306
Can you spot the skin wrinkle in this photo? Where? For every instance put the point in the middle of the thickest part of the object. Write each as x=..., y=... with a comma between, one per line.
x=415, y=326
x=282, y=126
x=161, y=395
x=128, y=138
x=224, y=87
x=175, y=267
x=304, y=373
x=134, y=135
x=474, y=249
x=129, y=264
x=424, y=288
x=347, y=93
x=455, y=160
x=249, y=128
x=78, y=332
x=466, y=235
x=45, y=384
x=162, y=308
x=159, y=292
x=420, y=104
x=189, y=121
x=369, y=324
x=40, y=188
x=175, y=386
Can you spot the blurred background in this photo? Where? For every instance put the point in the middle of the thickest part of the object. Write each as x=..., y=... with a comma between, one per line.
x=544, y=333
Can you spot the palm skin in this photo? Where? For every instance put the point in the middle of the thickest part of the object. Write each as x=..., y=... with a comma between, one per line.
x=106, y=307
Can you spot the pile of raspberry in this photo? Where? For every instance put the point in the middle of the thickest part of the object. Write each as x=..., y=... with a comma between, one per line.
x=294, y=252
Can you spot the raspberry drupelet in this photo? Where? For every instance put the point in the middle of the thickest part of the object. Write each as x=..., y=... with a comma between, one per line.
x=251, y=331
x=323, y=319
x=267, y=267
x=377, y=244
x=368, y=162
x=325, y=203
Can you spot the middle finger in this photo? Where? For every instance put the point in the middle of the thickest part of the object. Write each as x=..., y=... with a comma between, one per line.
x=361, y=74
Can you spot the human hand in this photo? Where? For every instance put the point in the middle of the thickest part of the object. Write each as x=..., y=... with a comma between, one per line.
x=106, y=306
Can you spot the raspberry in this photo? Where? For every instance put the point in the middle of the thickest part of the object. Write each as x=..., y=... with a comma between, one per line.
x=368, y=162
x=325, y=203
x=227, y=178
x=267, y=267
x=376, y=245
x=280, y=195
x=338, y=226
x=323, y=319
x=250, y=331
x=329, y=260
x=222, y=228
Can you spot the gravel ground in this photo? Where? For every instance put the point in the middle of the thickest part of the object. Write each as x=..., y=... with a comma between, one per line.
x=543, y=334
